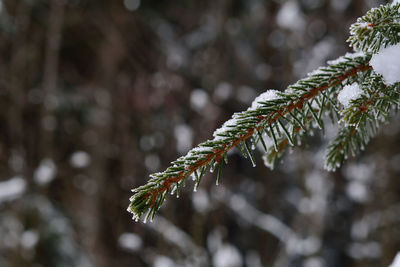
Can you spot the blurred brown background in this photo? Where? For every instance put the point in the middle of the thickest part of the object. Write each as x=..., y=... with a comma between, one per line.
x=95, y=95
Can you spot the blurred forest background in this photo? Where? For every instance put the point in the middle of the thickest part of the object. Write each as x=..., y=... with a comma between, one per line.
x=95, y=95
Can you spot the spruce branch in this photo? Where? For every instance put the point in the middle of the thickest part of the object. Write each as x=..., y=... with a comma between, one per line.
x=362, y=119
x=277, y=119
x=281, y=118
x=379, y=28
x=356, y=132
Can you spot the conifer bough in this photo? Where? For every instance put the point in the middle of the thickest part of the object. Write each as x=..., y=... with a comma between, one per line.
x=351, y=90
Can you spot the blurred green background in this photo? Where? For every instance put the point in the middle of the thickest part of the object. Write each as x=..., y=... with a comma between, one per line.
x=95, y=95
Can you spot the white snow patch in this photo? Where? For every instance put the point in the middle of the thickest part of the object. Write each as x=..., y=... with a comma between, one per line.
x=348, y=93
x=387, y=63
x=198, y=99
x=162, y=261
x=358, y=192
x=201, y=201
x=365, y=250
x=361, y=172
x=224, y=128
x=290, y=16
x=79, y=159
x=396, y=261
x=199, y=149
x=314, y=262
x=267, y=163
x=343, y=58
x=130, y=241
x=46, y=172
x=227, y=256
x=264, y=97
x=29, y=239
x=184, y=137
x=12, y=188
x=303, y=246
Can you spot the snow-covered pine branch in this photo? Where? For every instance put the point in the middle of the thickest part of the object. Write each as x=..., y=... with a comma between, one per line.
x=379, y=28
x=348, y=90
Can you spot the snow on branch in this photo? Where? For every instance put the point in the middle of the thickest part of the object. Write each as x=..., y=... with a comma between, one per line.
x=359, y=96
x=387, y=64
x=379, y=28
x=283, y=117
x=396, y=261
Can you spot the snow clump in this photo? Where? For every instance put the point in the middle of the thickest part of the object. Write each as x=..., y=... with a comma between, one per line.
x=348, y=93
x=229, y=124
x=396, y=262
x=264, y=97
x=232, y=123
x=395, y=2
x=387, y=63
